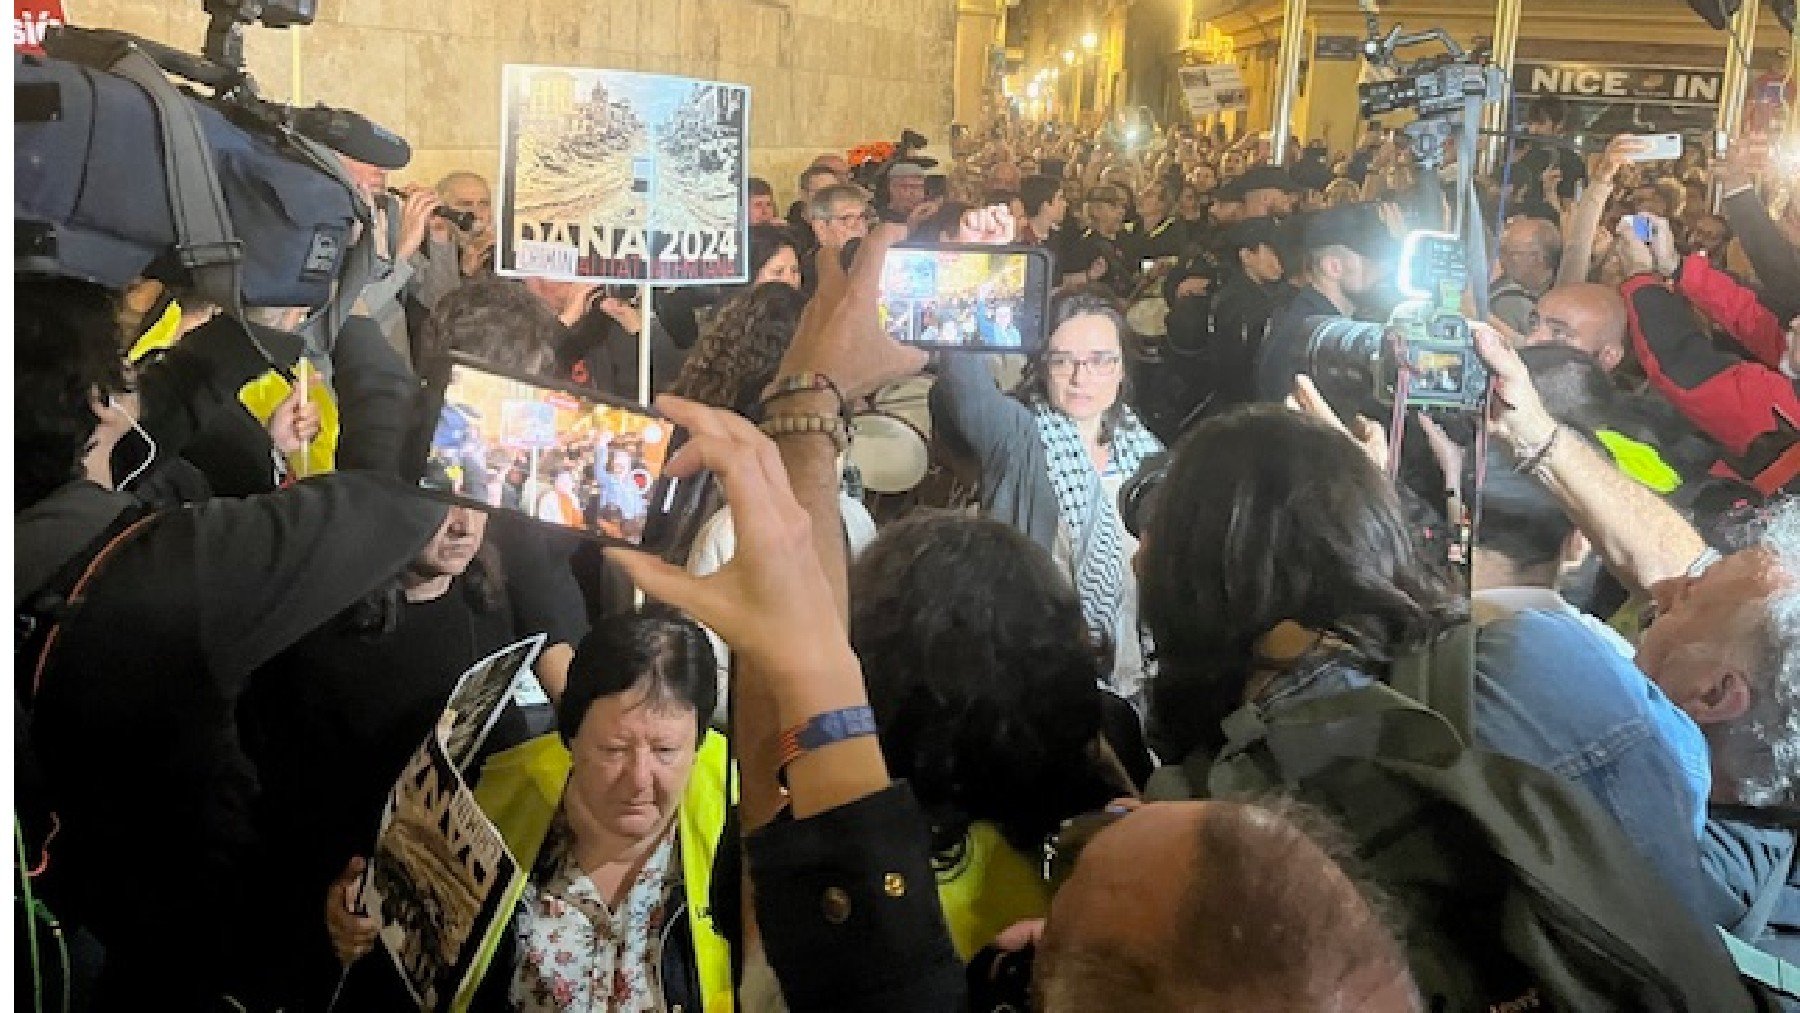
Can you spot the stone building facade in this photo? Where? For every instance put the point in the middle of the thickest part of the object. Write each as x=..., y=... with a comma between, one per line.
x=824, y=74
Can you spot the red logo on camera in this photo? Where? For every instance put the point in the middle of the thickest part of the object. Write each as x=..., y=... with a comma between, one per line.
x=31, y=19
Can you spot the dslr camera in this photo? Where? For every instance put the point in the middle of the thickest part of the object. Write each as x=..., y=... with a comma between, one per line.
x=1425, y=354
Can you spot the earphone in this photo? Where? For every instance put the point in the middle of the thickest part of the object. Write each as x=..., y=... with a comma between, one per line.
x=112, y=402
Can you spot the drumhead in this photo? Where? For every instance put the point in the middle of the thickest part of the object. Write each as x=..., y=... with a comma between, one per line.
x=908, y=400
x=1149, y=317
x=889, y=452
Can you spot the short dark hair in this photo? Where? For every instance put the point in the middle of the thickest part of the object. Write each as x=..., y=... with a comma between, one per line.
x=657, y=649
x=1037, y=191
x=1272, y=917
x=1520, y=520
x=1547, y=109
x=983, y=681
x=1320, y=935
x=1268, y=516
x=947, y=218
x=768, y=240
x=1574, y=388
x=759, y=187
x=496, y=319
x=67, y=347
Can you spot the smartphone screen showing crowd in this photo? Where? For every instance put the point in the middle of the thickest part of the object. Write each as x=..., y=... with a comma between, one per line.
x=554, y=453
x=967, y=298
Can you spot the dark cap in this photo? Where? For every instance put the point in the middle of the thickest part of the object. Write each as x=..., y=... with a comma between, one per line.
x=1268, y=177
x=1231, y=191
x=1355, y=226
x=1250, y=234
x=1105, y=192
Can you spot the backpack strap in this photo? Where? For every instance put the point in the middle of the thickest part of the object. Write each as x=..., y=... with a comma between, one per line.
x=1442, y=678
x=204, y=238
x=77, y=594
x=1269, y=747
x=1762, y=967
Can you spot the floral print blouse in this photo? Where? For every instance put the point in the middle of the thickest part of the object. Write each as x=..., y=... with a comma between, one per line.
x=577, y=955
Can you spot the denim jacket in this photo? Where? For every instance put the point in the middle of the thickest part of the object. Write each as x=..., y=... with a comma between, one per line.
x=1551, y=693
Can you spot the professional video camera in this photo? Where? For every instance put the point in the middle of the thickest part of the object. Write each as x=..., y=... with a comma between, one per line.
x=1424, y=356
x=1443, y=89
x=120, y=174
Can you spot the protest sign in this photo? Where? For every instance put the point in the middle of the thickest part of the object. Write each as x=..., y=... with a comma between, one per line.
x=442, y=884
x=1228, y=87
x=1196, y=87
x=611, y=175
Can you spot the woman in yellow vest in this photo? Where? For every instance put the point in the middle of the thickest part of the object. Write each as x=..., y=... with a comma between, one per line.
x=987, y=699
x=616, y=917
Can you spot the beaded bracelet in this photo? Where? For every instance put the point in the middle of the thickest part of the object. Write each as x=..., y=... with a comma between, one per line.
x=807, y=383
x=803, y=425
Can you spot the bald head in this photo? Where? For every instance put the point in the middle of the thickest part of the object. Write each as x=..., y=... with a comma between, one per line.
x=1216, y=906
x=1584, y=316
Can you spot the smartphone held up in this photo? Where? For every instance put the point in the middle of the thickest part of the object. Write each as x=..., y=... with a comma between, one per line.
x=963, y=297
x=552, y=453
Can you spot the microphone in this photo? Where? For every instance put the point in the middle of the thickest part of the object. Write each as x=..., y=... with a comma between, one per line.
x=356, y=136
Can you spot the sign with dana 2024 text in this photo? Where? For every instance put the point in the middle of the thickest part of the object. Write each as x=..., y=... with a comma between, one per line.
x=611, y=175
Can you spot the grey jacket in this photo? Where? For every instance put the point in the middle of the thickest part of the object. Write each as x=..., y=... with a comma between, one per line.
x=976, y=418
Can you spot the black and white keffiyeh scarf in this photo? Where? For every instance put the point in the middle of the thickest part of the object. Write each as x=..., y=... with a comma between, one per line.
x=1096, y=532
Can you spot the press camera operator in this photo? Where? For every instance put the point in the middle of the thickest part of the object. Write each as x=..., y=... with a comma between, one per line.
x=413, y=264
x=131, y=737
x=1348, y=253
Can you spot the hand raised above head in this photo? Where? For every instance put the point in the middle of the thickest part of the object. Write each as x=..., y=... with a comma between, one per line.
x=840, y=333
x=770, y=601
x=989, y=226
x=1515, y=412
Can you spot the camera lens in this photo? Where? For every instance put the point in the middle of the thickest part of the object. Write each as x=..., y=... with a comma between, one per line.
x=1344, y=355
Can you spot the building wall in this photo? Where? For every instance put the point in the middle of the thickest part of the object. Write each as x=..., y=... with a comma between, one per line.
x=824, y=74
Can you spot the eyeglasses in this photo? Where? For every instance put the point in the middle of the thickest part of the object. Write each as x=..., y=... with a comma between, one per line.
x=1100, y=365
x=849, y=218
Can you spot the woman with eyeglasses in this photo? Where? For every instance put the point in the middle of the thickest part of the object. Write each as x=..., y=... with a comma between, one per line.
x=1053, y=457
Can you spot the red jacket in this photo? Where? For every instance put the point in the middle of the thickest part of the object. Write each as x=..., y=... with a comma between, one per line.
x=1747, y=405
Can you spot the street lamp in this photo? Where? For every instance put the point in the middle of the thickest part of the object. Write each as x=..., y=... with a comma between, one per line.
x=1069, y=57
x=1090, y=42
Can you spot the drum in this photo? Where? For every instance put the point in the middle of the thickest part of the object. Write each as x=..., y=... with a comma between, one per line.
x=1149, y=316
x=890, y=453
x=891, y=446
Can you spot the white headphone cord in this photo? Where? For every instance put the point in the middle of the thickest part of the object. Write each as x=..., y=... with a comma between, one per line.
x=148, y=440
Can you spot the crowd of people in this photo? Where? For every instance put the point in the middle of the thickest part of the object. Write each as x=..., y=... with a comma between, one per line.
x=1197, y=690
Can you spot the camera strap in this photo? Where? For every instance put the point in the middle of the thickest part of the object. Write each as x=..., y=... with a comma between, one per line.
x=320, y=329
x=1475, y=232
x=204, y=239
